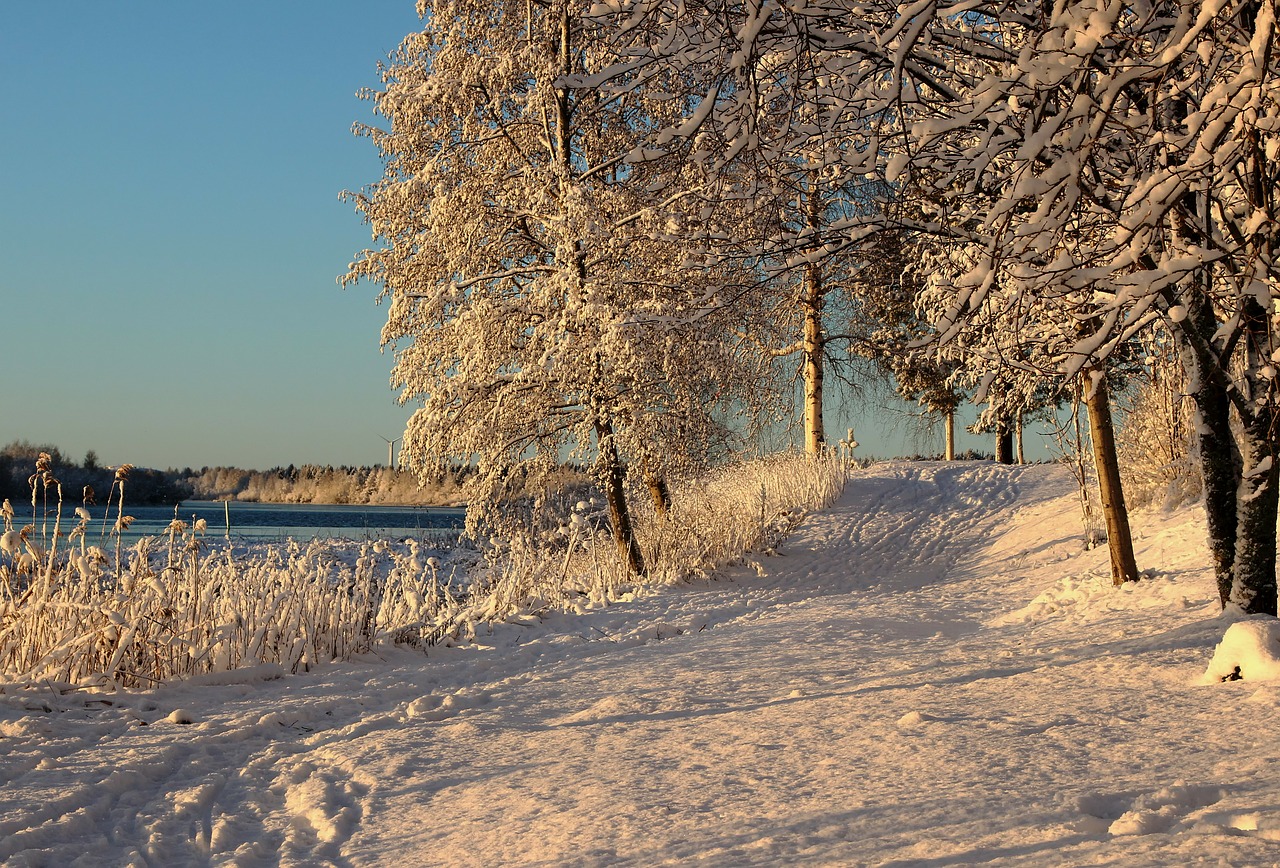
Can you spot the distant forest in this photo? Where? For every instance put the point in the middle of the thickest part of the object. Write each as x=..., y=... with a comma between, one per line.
x=89, y=481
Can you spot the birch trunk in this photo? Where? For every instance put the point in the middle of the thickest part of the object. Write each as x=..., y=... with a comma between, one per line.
x=1253, y=586
x=814, y=431
x=612, y=474
x=814, y=348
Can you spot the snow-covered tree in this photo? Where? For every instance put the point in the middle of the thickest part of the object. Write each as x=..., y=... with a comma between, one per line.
x=886, y=328
x=769, y=100
x=542, y=301
x=1155, y=438
x=903, y=86
x=1127, y=158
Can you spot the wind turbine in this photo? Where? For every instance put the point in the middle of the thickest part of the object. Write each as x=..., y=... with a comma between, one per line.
x=391, y=451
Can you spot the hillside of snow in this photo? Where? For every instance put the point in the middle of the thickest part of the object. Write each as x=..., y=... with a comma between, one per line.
x=933, y=672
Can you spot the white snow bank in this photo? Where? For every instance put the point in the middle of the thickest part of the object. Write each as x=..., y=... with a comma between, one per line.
x=1249, y=651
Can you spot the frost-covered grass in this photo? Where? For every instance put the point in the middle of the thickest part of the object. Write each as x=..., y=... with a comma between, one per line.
x=173, y=607
x=738, y=513
x=170, y=617
x=735, y=514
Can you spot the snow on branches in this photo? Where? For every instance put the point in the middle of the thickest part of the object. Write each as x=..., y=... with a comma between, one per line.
x=540, y=307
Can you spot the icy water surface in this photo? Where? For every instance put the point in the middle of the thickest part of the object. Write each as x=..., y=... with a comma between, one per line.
x=260, y=521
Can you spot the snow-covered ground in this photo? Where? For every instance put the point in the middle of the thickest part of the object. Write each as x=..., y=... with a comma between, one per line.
x=933, y=672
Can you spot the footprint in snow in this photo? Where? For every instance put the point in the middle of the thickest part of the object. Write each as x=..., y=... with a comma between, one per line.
x=434, y=707
x=1165, y=810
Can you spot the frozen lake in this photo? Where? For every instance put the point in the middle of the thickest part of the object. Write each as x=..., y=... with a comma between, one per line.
x=261, y=521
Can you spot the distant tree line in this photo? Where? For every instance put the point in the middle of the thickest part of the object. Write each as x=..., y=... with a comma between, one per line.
x=313, y=483
x=85, y=482
x=90, y=482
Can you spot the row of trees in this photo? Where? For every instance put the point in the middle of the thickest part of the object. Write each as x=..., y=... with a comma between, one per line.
x=80, y=482
x=310, y=483
x=624, y=229
x=88, y=481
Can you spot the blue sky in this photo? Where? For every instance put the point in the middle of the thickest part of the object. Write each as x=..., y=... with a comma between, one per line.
x=171, y=233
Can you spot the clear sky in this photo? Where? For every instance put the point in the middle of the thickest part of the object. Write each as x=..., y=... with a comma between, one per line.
x=170, y=233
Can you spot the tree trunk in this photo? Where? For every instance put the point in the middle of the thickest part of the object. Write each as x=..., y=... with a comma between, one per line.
x=1017, y=440
x=1219, y=460
x=1253, y=586
x=1004, y=442
x=811, y=303
x=1079, y=469
x=1216, y=448
x=613, y=477
x=1102, y=432
x=950, y=422
x=814, y=431
x=660, y=493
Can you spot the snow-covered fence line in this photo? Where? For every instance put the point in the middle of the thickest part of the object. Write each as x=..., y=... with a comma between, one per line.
x=172, y=608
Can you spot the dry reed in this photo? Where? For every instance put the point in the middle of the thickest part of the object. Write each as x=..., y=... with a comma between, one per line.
x=170, y=608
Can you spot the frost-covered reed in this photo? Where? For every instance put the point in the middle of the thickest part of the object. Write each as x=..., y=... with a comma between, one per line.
x=737, y=513
x=173, y=607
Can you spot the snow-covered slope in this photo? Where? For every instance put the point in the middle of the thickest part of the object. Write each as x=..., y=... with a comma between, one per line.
x=933, y=672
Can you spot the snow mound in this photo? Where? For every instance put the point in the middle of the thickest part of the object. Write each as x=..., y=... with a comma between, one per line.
x=1167, y=809
x=611, y=708
x=913, y=720
x=434, y=707
x=1249, y=651
x=1087, y=597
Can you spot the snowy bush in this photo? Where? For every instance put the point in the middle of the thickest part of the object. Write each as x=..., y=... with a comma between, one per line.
x=1155, y=435
x=176, y=611
x=733, y=514
x=742, y=510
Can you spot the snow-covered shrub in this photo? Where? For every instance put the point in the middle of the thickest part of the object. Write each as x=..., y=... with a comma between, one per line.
x=731, y=513
x=741, y=510
x=738, y=512
x=169, y=608
x=1154, y=439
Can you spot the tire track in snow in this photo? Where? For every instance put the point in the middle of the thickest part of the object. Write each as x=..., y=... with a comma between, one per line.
x=904, y=529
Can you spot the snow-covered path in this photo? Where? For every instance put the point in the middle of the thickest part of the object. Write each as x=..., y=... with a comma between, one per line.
x=931, y=673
